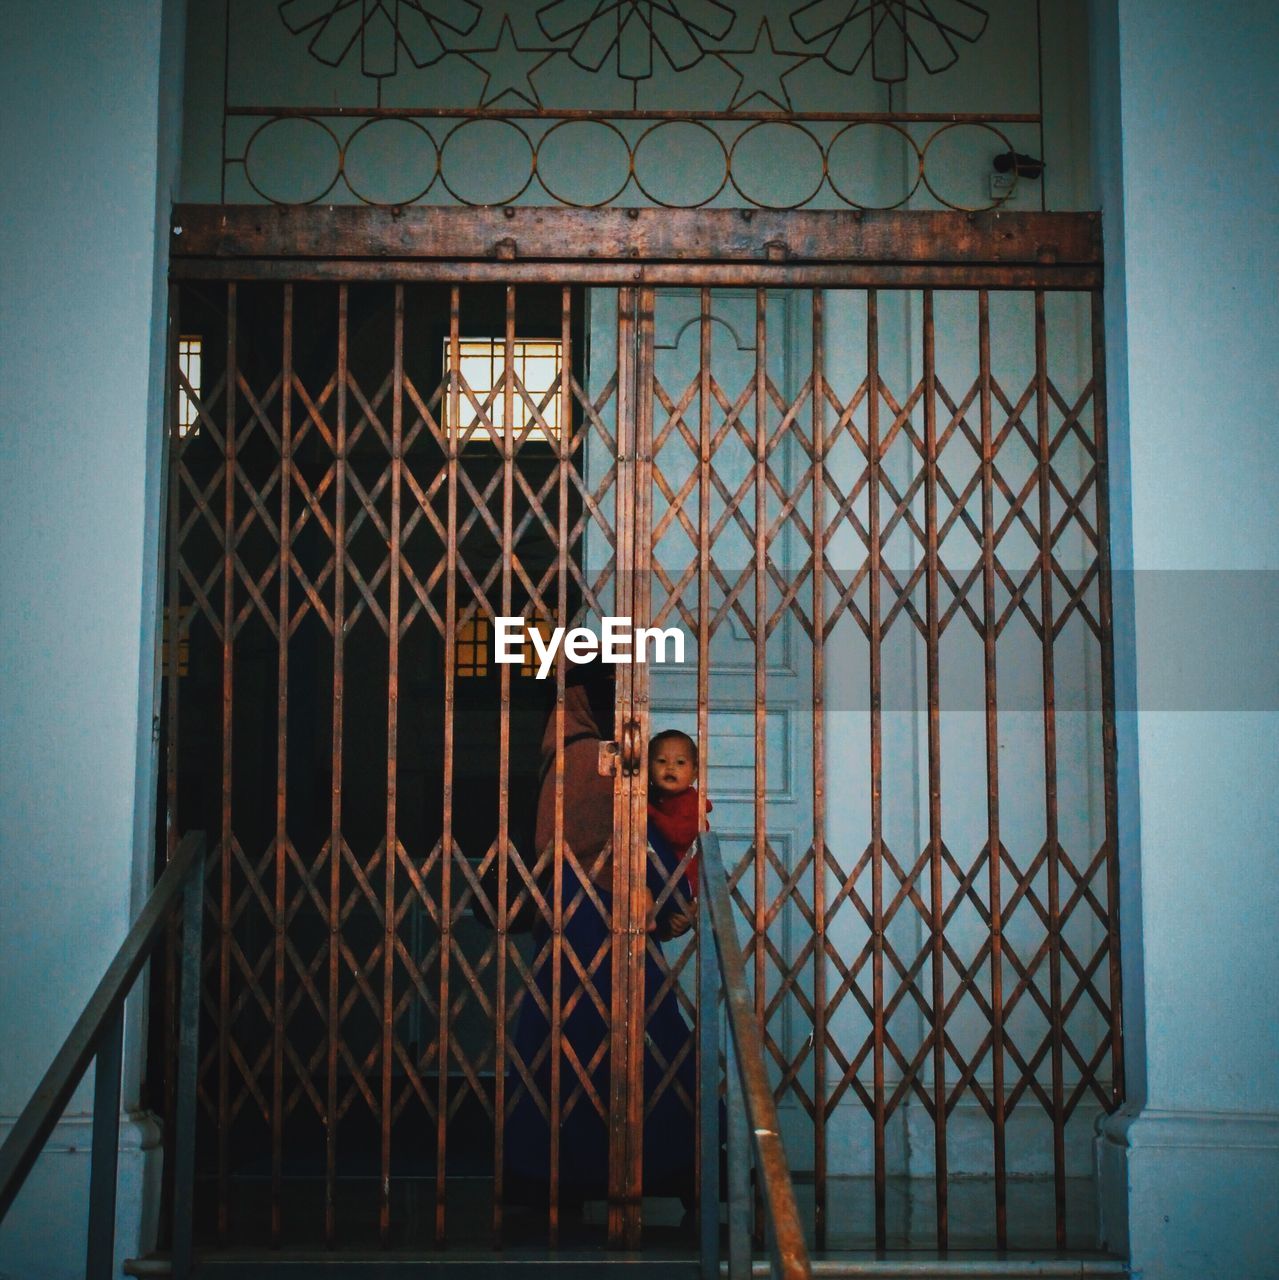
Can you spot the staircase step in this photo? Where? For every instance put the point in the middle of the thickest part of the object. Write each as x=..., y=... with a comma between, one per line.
x=964, y=1267
x=653, y=1265
x=287, y=1265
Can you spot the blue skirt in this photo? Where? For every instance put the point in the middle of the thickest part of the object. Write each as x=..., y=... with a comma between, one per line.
x=669, y=1127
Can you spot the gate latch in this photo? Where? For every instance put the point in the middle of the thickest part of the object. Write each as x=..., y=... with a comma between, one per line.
x=630, y=748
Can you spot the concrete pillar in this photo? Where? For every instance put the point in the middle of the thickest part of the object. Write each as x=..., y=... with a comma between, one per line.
x=90, y=99
x=1185, y=107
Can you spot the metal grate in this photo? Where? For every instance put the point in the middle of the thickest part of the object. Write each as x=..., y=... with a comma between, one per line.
x=330, y=543
x=966, y=525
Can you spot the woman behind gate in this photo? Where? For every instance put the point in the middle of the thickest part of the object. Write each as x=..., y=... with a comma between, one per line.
x=585, y=1006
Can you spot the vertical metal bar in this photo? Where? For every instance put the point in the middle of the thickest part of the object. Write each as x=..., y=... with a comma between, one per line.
x=281, y=770
x=226, y=102
x=392, y=768
x=994, y=843
x=819, y=769
x=873, y=462
x=761, y=642
x=708, y=1084
x=504, y=764
x=707, y=968
x=105, y=1152
x=637, y=847
x=188, y=1067
x=761, y=667
x=934, y=774
x=172, y=593
x=739, y=1168
x=447, y=851
x=557, y=848
x=335, y=807
x=618, y=1209
x=228, y=674
x=173, y=631
x=1105, y=608
x=1039, y=84
x=704, y=403
x=1050, y=764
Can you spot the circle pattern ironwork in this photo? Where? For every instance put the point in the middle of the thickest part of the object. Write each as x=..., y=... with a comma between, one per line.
x=540, y=152
x=847, y=131
x=284, y=124
x=647, y=188
x=457, y=130
x=363, y=132
x=513, y=160
x=790, y=128
x=932, y=190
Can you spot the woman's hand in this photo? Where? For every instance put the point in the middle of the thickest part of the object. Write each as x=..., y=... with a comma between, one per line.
x=679, y=922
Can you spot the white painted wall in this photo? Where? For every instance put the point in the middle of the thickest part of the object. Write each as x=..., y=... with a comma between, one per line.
x=90, y=99
x=1186, y=102
x=1192, y=250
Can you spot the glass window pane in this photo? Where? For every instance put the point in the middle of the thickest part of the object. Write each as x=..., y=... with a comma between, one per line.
x=535, y=363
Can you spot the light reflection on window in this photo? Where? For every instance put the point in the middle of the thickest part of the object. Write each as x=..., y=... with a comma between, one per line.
x=535, y=363
x=472, y=651
x=530, y=661
x=190, y=358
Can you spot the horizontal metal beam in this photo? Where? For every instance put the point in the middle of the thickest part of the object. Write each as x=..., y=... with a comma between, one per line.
x=852, y=275
x=331, y=111
x=896, y=248
x=918, y=1264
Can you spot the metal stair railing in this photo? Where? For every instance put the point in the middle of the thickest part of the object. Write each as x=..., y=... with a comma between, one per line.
x=99, y=1034
x=749, y=1099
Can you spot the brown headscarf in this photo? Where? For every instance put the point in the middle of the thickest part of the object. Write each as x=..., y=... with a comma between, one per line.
x=588, y=797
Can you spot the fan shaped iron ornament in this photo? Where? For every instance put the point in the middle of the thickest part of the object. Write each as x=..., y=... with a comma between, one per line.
x=890, y=30
x=633, y=28
x=381, y=27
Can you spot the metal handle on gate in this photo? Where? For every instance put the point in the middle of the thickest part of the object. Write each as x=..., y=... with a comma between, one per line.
x=630, y=748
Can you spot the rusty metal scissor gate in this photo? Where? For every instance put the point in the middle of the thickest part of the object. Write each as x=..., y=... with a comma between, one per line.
x=861, y=462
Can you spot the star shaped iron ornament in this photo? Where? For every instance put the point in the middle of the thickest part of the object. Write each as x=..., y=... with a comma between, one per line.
x=510, y=70
x=890, y=30
x=762, y=72
x=381, y=27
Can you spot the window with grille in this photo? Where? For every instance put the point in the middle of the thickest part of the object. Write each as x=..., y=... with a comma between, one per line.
x=472, y=651
x=535, y=363
x=190, y=357
x=543, y=626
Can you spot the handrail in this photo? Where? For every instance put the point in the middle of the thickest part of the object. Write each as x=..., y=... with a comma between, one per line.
x=750, y=1099
x=99, y=1032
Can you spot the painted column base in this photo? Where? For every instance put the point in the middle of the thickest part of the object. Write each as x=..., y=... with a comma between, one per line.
x=1191, y=1195
x=46, y=1231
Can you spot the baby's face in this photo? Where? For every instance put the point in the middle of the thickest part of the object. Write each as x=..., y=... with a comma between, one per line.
x=670, y=767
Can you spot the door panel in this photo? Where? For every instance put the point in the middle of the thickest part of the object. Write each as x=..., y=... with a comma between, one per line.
x=347, y=518
x=753, y=743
